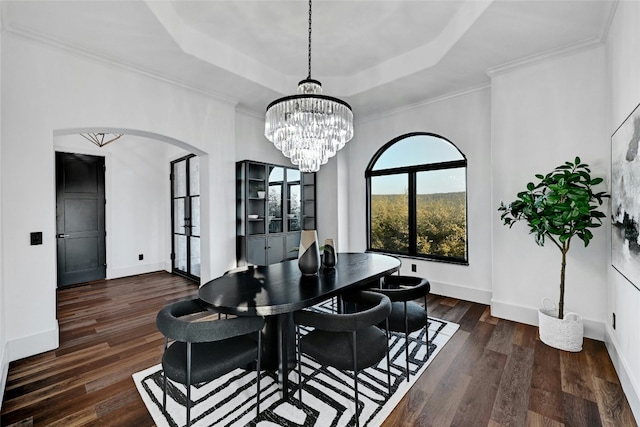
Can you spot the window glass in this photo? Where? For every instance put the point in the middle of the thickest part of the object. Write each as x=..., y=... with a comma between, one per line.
x=180, y=181
x=390, y=213
x=194, y=176
x=416, y=150
x=441, y=222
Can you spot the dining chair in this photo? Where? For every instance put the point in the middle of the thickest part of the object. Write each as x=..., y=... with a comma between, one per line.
x=406, y=315
x=203, y=349
x=346, y=341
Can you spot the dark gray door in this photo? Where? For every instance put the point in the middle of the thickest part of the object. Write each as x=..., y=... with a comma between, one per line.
x=80, y=218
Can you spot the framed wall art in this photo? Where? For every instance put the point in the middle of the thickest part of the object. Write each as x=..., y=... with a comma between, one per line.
x=625, y=198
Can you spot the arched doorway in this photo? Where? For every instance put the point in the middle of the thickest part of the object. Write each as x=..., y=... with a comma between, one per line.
x=139, y=226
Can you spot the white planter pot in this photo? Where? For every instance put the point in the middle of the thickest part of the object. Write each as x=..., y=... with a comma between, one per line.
x=564, y=334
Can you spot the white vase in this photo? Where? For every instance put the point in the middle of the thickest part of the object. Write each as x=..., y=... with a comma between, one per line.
x=563, y=334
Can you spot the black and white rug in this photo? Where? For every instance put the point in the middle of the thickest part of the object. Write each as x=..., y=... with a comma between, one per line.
x=327, y=394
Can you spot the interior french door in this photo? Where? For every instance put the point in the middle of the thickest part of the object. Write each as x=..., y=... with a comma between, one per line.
x=185, y=216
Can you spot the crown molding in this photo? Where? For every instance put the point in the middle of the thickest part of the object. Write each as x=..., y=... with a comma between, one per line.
x=539, y=57
x=104, y=59
x=429, y=101
x=604, y=34
x=249, y=112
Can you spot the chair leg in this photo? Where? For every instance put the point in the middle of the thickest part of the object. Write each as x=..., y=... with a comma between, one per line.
x=388, y=359
x=258, y=373
x=164, y=382
x=426, y=328
x=188, y=384
x=299, y=357
x=355, y=377
x=406, y=338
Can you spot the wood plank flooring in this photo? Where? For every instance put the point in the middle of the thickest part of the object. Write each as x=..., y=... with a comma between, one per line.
x=491, y=373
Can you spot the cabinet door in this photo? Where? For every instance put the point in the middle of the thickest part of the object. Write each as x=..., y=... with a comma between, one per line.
x=276, y=199
x=292, y=243
x=275, y=249
x=257, y=250
x=294, y=201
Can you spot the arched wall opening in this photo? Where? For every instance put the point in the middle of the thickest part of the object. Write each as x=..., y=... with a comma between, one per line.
x=138, y=224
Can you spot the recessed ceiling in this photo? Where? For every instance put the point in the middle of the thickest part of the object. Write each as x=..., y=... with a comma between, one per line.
x=377, y=55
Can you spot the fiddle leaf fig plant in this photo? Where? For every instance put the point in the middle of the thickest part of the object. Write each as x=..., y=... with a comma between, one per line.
x=560, y=206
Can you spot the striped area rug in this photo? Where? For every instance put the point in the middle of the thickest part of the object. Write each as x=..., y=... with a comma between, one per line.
x=327, y=394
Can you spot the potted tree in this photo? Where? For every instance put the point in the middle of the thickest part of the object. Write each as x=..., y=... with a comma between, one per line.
x=562, y=205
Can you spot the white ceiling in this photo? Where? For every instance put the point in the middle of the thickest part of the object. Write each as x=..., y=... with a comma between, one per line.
x=376, y=55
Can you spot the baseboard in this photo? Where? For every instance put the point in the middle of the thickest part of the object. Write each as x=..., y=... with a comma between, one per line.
x=115, y=273
x=461, y=292
x=4, y=371
x=592, y=328
x=33, y=344
x=168, y=267
x=630, y=387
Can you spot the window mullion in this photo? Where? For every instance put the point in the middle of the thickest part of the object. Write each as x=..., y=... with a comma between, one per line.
x=413, y=232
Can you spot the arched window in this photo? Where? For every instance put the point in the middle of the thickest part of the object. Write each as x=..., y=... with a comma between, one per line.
x=417, y=199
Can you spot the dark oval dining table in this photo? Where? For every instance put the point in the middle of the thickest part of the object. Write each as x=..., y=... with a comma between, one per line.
x=275, y=291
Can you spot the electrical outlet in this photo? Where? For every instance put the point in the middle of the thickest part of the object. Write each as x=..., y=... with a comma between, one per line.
x=414, y=268
x=36, y=238
x=140, y=257
x=613, y=323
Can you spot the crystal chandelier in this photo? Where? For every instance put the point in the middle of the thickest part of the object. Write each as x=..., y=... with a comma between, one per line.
x=309, y=128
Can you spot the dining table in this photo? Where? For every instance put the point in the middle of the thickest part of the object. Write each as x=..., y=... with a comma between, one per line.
x=276, y=291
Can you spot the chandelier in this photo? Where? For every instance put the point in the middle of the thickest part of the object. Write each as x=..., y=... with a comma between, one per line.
x=309, y=127
x=99, y=138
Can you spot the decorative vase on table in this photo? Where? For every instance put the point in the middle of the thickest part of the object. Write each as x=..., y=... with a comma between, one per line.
x=308, y=253
x=329, y=256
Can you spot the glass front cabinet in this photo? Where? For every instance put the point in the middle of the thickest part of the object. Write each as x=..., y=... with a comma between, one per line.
x=273, y=204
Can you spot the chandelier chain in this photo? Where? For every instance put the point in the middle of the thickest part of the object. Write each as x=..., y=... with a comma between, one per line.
x=309, y=75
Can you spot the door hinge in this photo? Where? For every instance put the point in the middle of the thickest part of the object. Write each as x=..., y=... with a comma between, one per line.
x=171, y=177
x=173, y=256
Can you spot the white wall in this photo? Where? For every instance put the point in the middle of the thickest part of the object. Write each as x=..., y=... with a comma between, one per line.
x=465, y=121
x=138, y=209
x=543, y=115
x=4, y=362
x=251, y=144
x=46, y=90
x=623, y=71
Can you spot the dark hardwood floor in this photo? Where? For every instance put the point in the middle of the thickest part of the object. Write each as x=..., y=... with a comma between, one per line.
x=491, y=373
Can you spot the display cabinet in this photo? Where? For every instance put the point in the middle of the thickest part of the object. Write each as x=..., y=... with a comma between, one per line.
x=273, y=204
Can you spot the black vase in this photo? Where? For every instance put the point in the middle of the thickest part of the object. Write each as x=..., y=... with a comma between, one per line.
x=329, y=257
x=308, y=253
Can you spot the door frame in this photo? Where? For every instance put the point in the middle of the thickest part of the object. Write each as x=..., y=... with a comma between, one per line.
x=174, y=270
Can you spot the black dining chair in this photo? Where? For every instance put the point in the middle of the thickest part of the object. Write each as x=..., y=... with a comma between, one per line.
x=406, y=315
x=348, y=341
x=204, y=350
